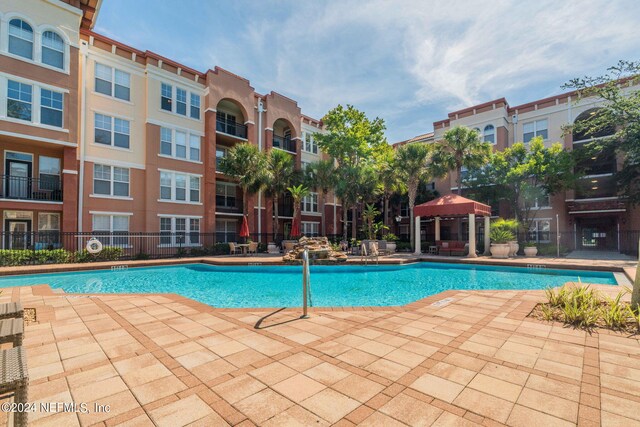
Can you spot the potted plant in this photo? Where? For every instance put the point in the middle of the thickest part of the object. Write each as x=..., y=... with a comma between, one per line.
x=510, y=225
x=499, y=242
x=391, y=242
x=272, y=248
x=530, y=249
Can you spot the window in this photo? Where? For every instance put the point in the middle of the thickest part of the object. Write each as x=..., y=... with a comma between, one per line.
x=540, y=230
x=542, y=201
x=310, y=228
x=174, y=144
x=221, y=152
x=51, y=108
x=226, y=230
x=310, y=144
x=226, y=195
x=165, y=97
x=20, y=38
x=110, y=181
x=52, y=49
x=48, y=230
x=404, y=209
x=173, y=187
x=489, y=134
x=181, y=101
x=49, y=173
x=195, y=106
x=533, y=129
x=19, y=100
x=112, y=82
x=103, y=131
x=114, y=229
x=179, y=231
x=310, y=203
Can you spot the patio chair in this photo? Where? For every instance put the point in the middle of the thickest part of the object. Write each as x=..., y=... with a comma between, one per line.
x=253, y=248
x=10, y=310
x=14, y=378
x=233, y=250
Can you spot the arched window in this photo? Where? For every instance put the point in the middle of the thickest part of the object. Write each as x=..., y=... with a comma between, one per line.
x=20, y=38
x=490, y=134
x=591, y=126
x=52, y=49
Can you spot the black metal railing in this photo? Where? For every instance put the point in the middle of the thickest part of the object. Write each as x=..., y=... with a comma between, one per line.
x=285, y=144
x=231, y=128
x=26, y=188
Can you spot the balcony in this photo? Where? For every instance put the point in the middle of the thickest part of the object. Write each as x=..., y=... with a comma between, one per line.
x=47, y=189
x=596, y=187
x=231, y=128
x=283, y=143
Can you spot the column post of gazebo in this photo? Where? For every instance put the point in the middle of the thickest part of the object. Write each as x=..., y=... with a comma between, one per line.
x=416, y=238
x=487, y=239
x=437, y=228
x=472, y=236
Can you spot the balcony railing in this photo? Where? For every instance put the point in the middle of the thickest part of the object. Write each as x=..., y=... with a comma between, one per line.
x=24, y=188
x=283, y=143
x=228, y=204
x=231, y=128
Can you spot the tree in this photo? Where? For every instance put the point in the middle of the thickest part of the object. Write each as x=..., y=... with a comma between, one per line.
x=415, y=167
x=247, y=164
x=298, y=192
x=278, y=176
x=521, y=175
x=390, y=180
x=321, y=175
x=461, y=147
x=619, y=110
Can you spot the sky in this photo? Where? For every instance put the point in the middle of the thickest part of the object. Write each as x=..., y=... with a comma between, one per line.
x=408, y=62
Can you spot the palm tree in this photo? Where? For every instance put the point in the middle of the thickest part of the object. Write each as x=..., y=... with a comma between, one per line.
x=346, y=188
x=390, y=181
x=247, y=164
x=322, y=176
x=414, y=166
x=460, y=147
x=298, y=192
x=278, y=177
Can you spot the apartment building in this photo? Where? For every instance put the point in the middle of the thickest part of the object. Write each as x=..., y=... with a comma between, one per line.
x=592, y=216
x=101, y=137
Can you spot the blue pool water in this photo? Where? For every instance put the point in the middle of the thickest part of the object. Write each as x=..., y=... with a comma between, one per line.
x=280, y=286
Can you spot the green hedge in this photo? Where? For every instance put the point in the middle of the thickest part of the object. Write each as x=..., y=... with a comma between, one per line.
x=13, y=257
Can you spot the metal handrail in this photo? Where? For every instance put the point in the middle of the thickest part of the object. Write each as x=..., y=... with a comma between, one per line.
x=27, y=188
x=305, y=283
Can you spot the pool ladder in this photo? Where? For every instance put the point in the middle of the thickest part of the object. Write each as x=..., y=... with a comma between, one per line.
x=306, y=285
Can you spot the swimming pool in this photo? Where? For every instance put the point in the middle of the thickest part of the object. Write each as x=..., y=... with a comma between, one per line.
x=280, y=286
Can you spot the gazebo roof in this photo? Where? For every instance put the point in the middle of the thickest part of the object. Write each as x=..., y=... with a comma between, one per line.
x=452, y=205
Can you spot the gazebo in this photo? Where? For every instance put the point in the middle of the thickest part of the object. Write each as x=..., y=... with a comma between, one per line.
x=449, y=206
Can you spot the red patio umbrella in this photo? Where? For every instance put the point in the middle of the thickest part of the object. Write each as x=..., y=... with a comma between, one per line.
x=295, y=228
x=244, y=229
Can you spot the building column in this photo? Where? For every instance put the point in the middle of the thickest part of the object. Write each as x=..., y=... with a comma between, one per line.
x=70, y=194
x=472, y=236
x=487, y=239
x=437, y=228
x=209, y=178
x=417, y=239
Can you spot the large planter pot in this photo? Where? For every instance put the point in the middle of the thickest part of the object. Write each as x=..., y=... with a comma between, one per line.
x=391, y=246
x=530, y=251
x=513, y=248
x=499, y=250
x=272, y=248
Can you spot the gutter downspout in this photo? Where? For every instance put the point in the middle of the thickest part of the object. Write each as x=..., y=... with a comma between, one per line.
x=83, y=102
x=260, y=111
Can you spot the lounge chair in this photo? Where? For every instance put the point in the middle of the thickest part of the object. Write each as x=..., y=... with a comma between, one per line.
x=253, y=248
x=10, y=310
x=11, y=331
x=232, y=248
x=15, y=378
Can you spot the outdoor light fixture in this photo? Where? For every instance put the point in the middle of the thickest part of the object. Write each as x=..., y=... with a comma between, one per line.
x=398, y=218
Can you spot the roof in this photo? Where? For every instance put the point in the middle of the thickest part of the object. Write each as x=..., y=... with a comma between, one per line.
x=452, y=205
x=425, y=137
x=89, y=8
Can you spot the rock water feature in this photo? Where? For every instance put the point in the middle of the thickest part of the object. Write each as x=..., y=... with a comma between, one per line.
x=320, y=251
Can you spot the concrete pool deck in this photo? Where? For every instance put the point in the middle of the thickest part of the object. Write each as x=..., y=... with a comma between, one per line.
x=456, y=358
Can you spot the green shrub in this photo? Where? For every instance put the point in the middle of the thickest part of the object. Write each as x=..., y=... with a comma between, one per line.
x=220, y=249
x=11, y=257
x=53, y=256
x=403, y=246
x=108, y=253
x=615, y=313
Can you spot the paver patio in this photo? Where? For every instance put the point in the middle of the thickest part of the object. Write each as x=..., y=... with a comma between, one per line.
x=170, y=361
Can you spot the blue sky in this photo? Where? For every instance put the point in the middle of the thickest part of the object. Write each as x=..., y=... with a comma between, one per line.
x=409, y=62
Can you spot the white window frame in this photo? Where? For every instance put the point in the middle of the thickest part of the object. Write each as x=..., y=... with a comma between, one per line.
x=227, y=192
x=61, y=109
x=36, y=101
x=492, y=134
x=308, y=203
x=113, y=81
x=112, y=131
x=535, y=228
x=112, y=181
x=536, y=129
x=193, y=141
x=224, y=150
x=229, y=224
x=49, y=231
x=188, y=188
x=109, y=240
x=309, y=143
x=174, y=232
x=308, y=228
x=189, y=98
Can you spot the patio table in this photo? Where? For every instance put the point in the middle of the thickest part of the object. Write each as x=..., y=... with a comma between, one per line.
x=244, y=247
